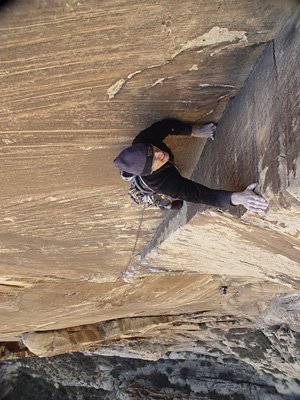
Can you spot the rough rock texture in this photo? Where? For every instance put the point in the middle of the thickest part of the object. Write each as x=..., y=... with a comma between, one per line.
x=209, y=374
x=220, y=362
x=78, y=81
x=212, y=307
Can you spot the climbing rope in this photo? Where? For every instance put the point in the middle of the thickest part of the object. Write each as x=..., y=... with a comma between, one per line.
x=137, y=237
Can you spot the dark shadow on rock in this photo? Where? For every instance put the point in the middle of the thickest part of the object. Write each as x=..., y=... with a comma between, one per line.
x=4, y=4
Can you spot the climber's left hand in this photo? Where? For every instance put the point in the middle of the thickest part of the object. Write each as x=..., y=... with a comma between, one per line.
x=207, y=131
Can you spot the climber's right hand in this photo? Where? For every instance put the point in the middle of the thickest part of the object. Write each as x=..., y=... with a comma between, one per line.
x=249, y=199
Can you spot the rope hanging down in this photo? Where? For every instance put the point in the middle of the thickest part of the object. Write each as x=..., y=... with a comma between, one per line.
x=137, y=237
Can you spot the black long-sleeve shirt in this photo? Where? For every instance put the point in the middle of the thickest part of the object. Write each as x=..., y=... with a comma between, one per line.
x=167, y=180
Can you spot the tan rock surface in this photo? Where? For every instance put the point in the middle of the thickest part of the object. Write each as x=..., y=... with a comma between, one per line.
x=78, y=82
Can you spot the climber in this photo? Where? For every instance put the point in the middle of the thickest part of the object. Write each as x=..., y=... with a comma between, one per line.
x=149, y=164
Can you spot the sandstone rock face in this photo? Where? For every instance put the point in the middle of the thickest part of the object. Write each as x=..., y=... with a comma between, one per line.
x=211, y=293
x=78, y=82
